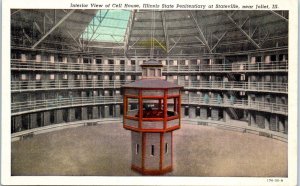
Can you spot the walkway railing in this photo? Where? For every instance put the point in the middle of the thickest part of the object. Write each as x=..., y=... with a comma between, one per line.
x=73, y=67
x=236, y=85
x=245, y=66
x=40, y=105
x=240, y=104
x=21, y=86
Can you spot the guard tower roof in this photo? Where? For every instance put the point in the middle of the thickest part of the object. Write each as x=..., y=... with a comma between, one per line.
x=152, y=84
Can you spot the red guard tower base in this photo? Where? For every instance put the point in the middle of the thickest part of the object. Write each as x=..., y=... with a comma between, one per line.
x=152, y=113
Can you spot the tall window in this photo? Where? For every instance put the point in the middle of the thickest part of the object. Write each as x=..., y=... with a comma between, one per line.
x=152, y=150
x=166, y=148
x=137, y=148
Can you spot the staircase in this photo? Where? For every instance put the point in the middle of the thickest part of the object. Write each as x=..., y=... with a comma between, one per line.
x=232, y=113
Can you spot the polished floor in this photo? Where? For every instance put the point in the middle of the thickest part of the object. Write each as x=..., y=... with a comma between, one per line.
x=104, y=150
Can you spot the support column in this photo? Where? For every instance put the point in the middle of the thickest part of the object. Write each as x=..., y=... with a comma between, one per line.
x=100, y=109
x=260, y=120
x=267, y=123
x=182, y=112
x=281, y=126
x=286, y=125
x=273, y=122
x=33, y=120
x=251, y=119
x=203, y=113
x=117, y=111
x=106, y=111
x=215, y=114
x=59, y=116
x=95, y=112
x=46, y=118
x=226, y=117
x=17, y=123
x=84, y=115
x=71, y=115
x=192, y=112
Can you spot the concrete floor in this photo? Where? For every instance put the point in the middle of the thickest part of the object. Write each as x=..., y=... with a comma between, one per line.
x=104, y=150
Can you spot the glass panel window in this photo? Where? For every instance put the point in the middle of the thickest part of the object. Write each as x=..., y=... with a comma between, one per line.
x=153, y=108
x=173, y=107
x=132, y=109
x=108, y=25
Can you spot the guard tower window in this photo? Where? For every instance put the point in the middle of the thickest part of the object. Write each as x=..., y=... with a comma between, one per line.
x=152, y=150
x=166, y=148
x=137, y=148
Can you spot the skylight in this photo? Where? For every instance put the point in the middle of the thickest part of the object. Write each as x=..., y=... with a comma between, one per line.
x=107, y=26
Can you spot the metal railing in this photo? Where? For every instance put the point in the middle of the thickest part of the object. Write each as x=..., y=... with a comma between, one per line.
x=21, y=86
x=274, y=66
x=240, y=104
x=72, y=67
x=245, y=66
x=236, y=85
x=39, y=105
x=47, y=104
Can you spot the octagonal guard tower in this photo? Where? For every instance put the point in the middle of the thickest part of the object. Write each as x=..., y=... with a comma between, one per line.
x=152, y=113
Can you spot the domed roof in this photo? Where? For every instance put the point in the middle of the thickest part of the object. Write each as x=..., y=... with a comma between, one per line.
x=152, y=84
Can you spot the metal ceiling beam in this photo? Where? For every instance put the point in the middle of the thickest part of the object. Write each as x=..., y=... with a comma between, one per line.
x=242, y=31
x=218, y=42
x=175, y=43
x=129, y=31
x=161, y=45
x=253, y=32
x=15, y=12
x=165, y=29
x=27, y=37
x=199, y=30
x=282, y=17
x=95, y=30
x=264, y=39
x=134, y=43
x=53, y=28
x=78, y=43
x=244, y=22
x=38, y=27
x=199, y=39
